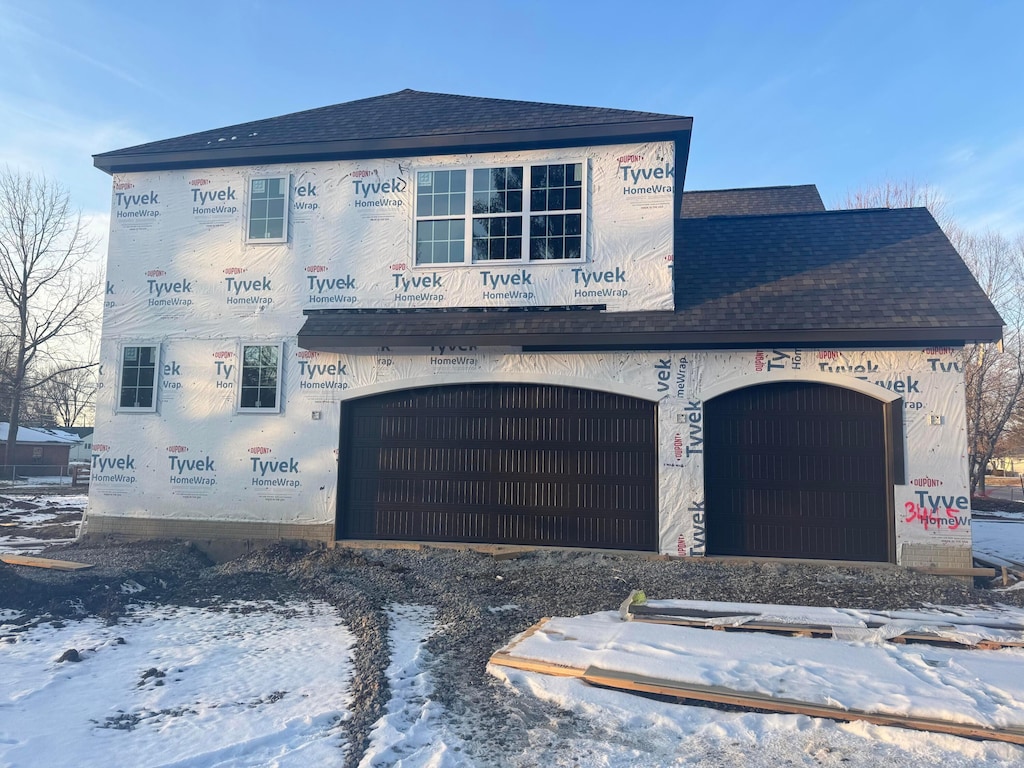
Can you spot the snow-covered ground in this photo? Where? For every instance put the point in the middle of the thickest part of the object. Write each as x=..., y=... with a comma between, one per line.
x=267, y=684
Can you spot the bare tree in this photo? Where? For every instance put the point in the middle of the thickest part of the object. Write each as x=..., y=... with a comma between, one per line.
x=994, y=373
x=904, y=194
x=48, y=289
x=68, y=395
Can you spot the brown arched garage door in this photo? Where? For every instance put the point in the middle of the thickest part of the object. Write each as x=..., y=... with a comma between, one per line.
x=797, y=469
x=500, y=463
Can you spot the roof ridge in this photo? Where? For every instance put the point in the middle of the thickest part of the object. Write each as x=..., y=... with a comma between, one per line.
x=827, y=211
x=746, y=189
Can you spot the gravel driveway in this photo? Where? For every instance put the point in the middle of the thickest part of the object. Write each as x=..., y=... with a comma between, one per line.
x=481, y=602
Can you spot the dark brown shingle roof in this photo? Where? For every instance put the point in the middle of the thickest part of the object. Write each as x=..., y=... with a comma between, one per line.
x=387, y=124
x=867, y=277
x=752, y=201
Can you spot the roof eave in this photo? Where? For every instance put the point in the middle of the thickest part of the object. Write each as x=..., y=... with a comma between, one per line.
x=124, y=161
x=604, y=341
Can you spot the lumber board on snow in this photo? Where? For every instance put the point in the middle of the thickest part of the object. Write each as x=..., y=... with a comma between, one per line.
x=819, y=630
x=628, y=682
x=44, y=562
x=503, y=659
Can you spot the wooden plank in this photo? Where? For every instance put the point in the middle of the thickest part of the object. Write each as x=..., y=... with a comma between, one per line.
x=717, y=694
x=955, y=571
x=44, y=562
x=880, y=618
x=503, y=659
x=817, y=630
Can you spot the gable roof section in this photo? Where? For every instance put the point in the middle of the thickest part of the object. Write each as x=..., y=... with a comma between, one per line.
x=834, y=278
x=397, y=124
x=751, y=201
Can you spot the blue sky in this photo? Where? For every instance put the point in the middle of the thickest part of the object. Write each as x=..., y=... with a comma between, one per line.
x=841, y=94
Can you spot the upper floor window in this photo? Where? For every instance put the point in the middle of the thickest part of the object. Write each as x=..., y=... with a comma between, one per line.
x=268, y=209
x=516, y=213
x=137, y=385
x=261, y=378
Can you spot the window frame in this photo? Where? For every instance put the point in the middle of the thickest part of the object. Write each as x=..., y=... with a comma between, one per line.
x=287, y=179
x=120, y=377
x=468, y=216
x=279, y=395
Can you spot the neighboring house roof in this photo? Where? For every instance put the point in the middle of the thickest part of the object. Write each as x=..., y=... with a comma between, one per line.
x=81, y=432
x=395, y=124
x=753, y=201
x=38, y=436
x=878, y=277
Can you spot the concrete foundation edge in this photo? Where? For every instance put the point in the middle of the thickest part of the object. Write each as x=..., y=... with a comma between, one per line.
x=219, y=539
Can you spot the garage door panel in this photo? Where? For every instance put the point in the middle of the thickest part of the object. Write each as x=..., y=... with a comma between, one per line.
x=796, y=469
x=513, y=463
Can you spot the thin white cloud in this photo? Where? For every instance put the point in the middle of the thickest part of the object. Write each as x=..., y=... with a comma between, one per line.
x=986, y=185
x=26, y=33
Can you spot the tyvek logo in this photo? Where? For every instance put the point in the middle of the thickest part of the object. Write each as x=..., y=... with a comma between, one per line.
x=314, y=374
x=167, y=293
x=371, y=191
x=274, y=473
x=641, y=180
x=224, y=367
x=190, y=471
x=129, y=204
x=304, y=197
x=329, y=290
x=208, y=201
x=417, y=287
x=111, y=469
x=247, y=291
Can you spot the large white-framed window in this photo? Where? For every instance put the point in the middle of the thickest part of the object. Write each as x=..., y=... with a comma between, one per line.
x=511, y=213
x=267, y=220
x=259, y=386
x=138, y=378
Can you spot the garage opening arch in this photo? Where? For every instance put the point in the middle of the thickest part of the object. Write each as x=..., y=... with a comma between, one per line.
x=800, y=467
x=499, y=462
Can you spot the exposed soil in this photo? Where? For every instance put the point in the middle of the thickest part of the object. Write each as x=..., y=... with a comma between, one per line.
x=465, y=588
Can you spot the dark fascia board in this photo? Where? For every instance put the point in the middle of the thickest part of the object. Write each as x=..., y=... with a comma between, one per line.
x=491, y=141
x=887, y=337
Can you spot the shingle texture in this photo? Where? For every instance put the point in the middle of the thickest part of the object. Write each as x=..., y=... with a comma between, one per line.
x=831, y=276
x=405, y=114
x=754, y=201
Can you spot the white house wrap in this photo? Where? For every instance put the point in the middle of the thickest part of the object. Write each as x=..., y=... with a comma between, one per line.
x=455, y=256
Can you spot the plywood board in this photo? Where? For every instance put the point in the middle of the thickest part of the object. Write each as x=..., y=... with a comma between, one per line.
x=44, y=562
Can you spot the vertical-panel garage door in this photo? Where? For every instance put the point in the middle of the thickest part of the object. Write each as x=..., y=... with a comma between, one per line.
x=506, y=463
x=796, y=469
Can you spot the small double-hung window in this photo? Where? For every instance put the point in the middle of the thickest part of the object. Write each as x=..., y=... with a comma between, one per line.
x=509, y=213
x=138, y=377
x=268, y=209
x=260, y=389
